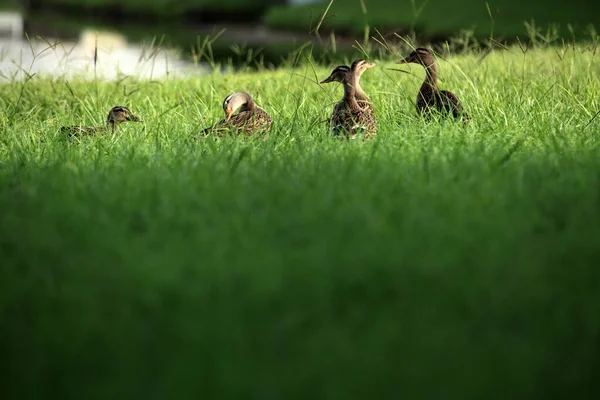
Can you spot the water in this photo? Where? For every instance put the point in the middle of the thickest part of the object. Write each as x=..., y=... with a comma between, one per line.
x=115, y=56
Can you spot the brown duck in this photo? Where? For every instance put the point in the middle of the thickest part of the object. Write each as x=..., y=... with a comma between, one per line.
x=358, y=67
x=250, y=118
x=349, y=117
x=430, y=97
x=116, y=116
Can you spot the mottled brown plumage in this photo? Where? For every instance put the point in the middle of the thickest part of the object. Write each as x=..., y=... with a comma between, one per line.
x=353, y=114
x=116, y=116
x=430, y=97
x=250, y=118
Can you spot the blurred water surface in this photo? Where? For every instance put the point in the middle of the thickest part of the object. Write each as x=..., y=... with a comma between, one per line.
x=106, y=55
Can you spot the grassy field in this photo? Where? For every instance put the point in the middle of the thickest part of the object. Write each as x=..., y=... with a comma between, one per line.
x=503, y=19
x=436, y=261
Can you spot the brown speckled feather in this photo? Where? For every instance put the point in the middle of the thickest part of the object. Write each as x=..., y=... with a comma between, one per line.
x=351, y=120
x=368, y=118
x=367, y=115
x=244, y=122
x=430, y=100
x=250, y=118
x=82, y=130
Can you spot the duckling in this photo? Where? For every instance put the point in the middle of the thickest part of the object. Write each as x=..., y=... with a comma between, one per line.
x=250, y=118
x=430, y=97
x=116, y=116
x=348, y=117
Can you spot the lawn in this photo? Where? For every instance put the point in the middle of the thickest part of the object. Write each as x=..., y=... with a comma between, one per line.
x=436, y=261
x=504, y=19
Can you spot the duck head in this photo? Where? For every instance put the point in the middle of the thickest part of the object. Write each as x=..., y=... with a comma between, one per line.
x=360, y=66
x=119, y=114
x=421, y=56
x=341, y=74
x=238, y=100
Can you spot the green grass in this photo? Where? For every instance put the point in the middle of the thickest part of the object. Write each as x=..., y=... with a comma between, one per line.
x=435, y=261
x=437, y=18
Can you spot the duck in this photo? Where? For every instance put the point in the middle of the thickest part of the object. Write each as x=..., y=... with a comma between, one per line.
x=116, y=116
x=349, y=117
x=358, y=67
x=430, y=98
x=249, y=119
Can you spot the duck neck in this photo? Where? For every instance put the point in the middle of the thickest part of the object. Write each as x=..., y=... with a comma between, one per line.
x=431, y=75
x=350, y=92
x=249, y=105
x=359, y=92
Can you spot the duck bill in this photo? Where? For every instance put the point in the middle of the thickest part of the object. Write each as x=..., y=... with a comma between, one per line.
x=403, y=61
x=134, y=118
x=229, y=113
x=370, y=65
x=327, y=80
